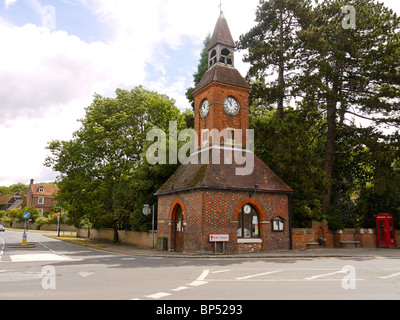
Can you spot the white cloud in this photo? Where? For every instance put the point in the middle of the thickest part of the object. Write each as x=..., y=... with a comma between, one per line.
x=8, y=3
x=48, y=78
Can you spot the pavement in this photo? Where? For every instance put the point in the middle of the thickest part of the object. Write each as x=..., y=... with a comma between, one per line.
x=131, y=250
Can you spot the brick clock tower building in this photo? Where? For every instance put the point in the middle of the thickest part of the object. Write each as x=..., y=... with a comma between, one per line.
x=210, y=206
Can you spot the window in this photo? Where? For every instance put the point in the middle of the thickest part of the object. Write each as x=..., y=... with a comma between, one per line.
x=41, y=190
x=278, y=224
x=40, y=211
x=41, y=200
x=248, y=223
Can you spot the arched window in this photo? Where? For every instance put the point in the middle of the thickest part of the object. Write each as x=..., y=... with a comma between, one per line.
x=213, y=58
x=248, y=223
x=226, y=56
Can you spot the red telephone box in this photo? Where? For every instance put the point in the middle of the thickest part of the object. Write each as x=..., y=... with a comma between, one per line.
x=385, y=231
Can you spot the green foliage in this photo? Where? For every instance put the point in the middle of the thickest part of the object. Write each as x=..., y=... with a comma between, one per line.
x=14, y=188
x=201, y=70
x=105, y=178
x=320, y=80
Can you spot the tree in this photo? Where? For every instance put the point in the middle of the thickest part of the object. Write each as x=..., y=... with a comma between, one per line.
x=336, y=73
x=98, y=167
x=353, y=72
x=201, y=70
x=273, y=48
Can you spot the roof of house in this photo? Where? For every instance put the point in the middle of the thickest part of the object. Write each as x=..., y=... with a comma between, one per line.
x=224, y=176
x=49, y=189
x=4, y=198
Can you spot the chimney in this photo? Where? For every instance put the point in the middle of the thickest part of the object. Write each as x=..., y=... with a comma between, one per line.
x=32, y=181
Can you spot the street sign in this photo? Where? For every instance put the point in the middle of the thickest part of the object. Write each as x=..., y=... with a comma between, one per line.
x=26, y=215
x=24, y=239
x=146, y=210
x=219, y=237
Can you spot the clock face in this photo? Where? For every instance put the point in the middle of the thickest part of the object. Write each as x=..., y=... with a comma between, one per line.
x=247, y=209
x=205, y=107
x=231, y=106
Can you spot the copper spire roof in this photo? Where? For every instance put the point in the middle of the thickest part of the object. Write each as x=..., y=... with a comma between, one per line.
x=222, y=34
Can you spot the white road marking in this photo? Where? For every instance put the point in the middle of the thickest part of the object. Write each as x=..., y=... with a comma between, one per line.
x=200, y=280
x=203, y=275
x=38, y=257
x=258, y=275
x=180, y=289
x=84, y=274
x=391, y=276
x=2, y=248
x=158, y=295
x=324, y=275
x=221, y=271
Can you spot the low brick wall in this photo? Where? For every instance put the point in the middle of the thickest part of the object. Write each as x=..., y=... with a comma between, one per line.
x=304, y=238
x=142, y=239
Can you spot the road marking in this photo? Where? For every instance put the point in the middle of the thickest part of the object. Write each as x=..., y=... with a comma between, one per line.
x=200, y=280
x=221, y=271
x=85, y=274
x=2, y=248
x=391, y=276
x=203, y=275
x=180, y=289
x=158, y=295
x=325, y=274
x=38, y=257
x=258, y=275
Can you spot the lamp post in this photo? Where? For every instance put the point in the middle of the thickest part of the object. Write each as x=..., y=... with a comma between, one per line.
x=146, y=211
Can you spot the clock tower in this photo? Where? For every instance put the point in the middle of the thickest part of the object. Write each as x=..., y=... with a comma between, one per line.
x=222, y=96
x=208, y=206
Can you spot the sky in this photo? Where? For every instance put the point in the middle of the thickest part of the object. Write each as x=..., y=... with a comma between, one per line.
x=56, y=54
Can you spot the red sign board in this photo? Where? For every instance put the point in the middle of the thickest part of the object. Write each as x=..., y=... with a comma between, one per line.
x=219, y=237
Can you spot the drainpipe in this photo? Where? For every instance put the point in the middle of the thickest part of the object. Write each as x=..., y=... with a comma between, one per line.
x=290, y=222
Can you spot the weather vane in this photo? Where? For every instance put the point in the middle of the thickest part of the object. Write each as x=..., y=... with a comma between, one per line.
x=220, y=6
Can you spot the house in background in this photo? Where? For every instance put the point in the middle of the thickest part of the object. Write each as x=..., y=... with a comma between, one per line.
x=41, y=196
x=10, y=201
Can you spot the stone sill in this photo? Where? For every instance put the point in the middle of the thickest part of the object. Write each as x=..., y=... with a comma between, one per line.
x=254, y=240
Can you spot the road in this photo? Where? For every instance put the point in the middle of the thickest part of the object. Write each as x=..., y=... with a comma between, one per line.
x=56, y=269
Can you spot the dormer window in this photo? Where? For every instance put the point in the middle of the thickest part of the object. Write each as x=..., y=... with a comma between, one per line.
x=41, y=190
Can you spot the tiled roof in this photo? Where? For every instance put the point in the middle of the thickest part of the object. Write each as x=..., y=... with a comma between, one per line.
x=49, y=189
x=224, y=176
x=4, y=198
x=221, y=34
x=222, y=74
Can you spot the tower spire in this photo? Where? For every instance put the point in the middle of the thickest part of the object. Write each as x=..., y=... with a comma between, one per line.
x=220, y=7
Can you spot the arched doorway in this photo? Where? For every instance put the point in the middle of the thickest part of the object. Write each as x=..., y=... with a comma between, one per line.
x=179, y=230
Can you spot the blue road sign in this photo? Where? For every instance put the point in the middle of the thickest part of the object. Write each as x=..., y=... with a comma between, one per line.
x=26, y=215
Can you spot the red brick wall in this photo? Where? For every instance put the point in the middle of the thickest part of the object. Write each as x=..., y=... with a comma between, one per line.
x=211, y=211
x=217, y=117
x=301, y=237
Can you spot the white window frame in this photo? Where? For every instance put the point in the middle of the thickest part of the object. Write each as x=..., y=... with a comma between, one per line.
x=41, y=200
